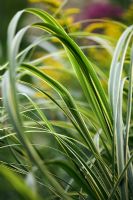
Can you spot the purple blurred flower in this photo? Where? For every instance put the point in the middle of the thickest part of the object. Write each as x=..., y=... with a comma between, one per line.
x=102, y=10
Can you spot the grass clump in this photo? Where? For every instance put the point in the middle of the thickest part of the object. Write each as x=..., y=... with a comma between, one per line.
x=65, y=147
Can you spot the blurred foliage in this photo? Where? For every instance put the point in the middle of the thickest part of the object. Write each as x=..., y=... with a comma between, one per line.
x=128, y=15
x=65, y=16
x=54, y=4
x=123, y=3
x=8, y=8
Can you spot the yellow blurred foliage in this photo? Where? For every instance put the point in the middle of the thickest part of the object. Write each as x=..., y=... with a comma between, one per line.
x=54, y=3
x=106, y=28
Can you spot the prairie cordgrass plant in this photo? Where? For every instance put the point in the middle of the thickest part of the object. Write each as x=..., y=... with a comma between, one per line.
x=57, y=141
